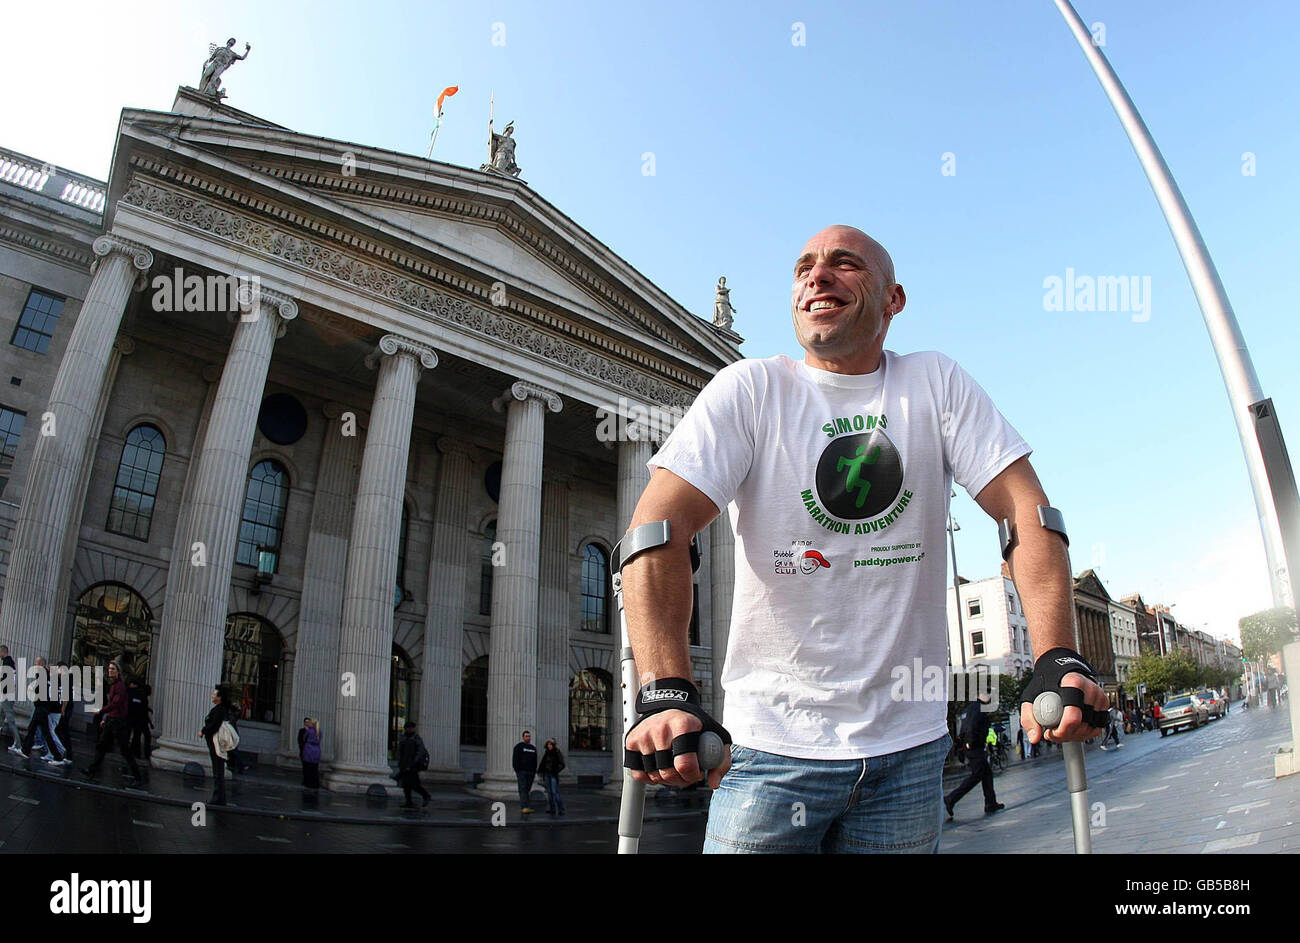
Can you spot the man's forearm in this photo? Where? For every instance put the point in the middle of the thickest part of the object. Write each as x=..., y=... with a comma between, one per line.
x=1040, y=568
x=657, y=589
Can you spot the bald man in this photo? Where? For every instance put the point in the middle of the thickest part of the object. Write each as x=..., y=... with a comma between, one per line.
x=836, y=472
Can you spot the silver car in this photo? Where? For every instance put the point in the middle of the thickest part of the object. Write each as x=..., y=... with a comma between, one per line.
x=1185, y=711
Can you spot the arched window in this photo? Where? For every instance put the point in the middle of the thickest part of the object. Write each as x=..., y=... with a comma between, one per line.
x=131, y=509
x=591, y=693
x=485, y=571
x=250, y=664
x=399, y=593
x=595, y=590
x=399, y=699
x=473, y=702
x=111, y=622
x=268, y=493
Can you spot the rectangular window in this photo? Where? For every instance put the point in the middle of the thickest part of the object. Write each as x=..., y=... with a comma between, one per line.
x=977, y=643
x=974, y=608
x=36, y=324
x=1011, y=604
x=11, y=429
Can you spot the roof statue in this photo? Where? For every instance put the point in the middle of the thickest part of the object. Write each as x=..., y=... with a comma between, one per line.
x=220, y=58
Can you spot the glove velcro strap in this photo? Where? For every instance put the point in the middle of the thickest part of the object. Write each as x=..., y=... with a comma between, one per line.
x=666, y=694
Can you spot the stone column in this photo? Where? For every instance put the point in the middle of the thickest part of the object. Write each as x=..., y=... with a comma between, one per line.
x=553, y=618
x=315, y=673
x=722, y=562
x=31, y=605
x=451, y=556
x=61, y=643
x=366, y=640
x=512, y=656
x=633, y=476
x=192, y=641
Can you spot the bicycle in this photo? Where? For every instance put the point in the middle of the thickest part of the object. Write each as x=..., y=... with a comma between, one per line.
x=999, y=756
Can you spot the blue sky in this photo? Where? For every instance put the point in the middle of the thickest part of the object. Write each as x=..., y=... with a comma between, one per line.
x=758, y=142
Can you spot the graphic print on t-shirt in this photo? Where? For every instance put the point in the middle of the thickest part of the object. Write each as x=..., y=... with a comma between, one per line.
x=859, y=476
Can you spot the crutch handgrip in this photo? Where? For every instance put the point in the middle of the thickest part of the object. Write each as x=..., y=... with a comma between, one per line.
x=1048, y=709
x=711, y=751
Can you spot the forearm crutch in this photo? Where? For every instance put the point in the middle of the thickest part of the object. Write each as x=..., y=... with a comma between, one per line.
x=1048, y=711
x=631, y=813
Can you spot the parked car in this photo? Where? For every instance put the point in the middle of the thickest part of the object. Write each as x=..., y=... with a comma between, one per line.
x=1213, y=702
x=1185, y=711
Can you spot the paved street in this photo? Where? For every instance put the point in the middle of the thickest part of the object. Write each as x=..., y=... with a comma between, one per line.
x=1209, y=790
x=1204, y=791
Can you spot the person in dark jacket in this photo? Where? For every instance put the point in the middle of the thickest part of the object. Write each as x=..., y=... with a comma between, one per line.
x=63, y=729
x=42, y=726
x=112, y=729
x=548, y=768
x=974, y=728
x=309, y=752
x=8, y=723
x=220, y=713
x=410, y=754
x=137, y=717
x=524, y=762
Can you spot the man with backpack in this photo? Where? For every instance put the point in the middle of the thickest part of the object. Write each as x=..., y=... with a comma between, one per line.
x=412, y=757
x=973, y=730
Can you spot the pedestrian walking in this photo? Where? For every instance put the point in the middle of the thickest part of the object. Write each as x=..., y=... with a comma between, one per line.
x=524, y=761
x=42, y=726
x=112, y=730
x=1020, y=742
x=218, y=715
x=235, y=759
x=309, y=752
x=1112, y=731
x=138, y=717
x=412, y=757
x=973, y=729
x=9, y=722
x=548, y=768
x=63, y=728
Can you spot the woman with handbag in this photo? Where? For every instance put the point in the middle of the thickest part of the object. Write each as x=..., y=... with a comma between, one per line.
x=549, y=769
x=217, y=717
x=310, y=753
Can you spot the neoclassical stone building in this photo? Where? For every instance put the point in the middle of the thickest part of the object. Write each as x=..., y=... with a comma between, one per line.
x=370, y=487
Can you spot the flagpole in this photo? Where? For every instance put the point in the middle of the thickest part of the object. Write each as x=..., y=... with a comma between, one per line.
x=434, y=139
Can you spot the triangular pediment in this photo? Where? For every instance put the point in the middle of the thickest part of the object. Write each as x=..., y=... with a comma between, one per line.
x=485, y=229
x=1089, y=583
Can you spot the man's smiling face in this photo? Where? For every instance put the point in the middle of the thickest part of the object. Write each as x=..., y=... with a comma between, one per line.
x=843, y=298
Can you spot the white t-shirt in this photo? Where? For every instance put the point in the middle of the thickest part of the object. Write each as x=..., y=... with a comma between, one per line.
x=838, y=489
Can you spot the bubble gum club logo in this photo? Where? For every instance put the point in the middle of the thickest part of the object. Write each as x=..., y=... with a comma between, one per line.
x=796, y=560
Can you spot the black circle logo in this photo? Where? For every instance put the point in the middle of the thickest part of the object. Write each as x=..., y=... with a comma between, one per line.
x=859, y=476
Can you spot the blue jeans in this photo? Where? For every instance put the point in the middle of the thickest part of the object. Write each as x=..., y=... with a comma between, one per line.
x=771, y=803
x=553, y=801
x=525, y=786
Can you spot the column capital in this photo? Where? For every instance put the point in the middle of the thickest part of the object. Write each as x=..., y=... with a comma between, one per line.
x=107, y=244
x=253, y=297
x=523, y=391
x=212, y=372
x=393, y=344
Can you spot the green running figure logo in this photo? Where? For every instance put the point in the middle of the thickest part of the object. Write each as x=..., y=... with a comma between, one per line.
x=853, y=480
x=859, y=476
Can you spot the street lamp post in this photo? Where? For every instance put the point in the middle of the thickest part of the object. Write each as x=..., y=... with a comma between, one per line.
x=956, y=590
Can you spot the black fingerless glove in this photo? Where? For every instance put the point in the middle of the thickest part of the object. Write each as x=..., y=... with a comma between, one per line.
x=670, y=694
x=1049, y=669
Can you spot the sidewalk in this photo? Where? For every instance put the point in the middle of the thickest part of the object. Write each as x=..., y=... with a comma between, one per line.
x=277, y=792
